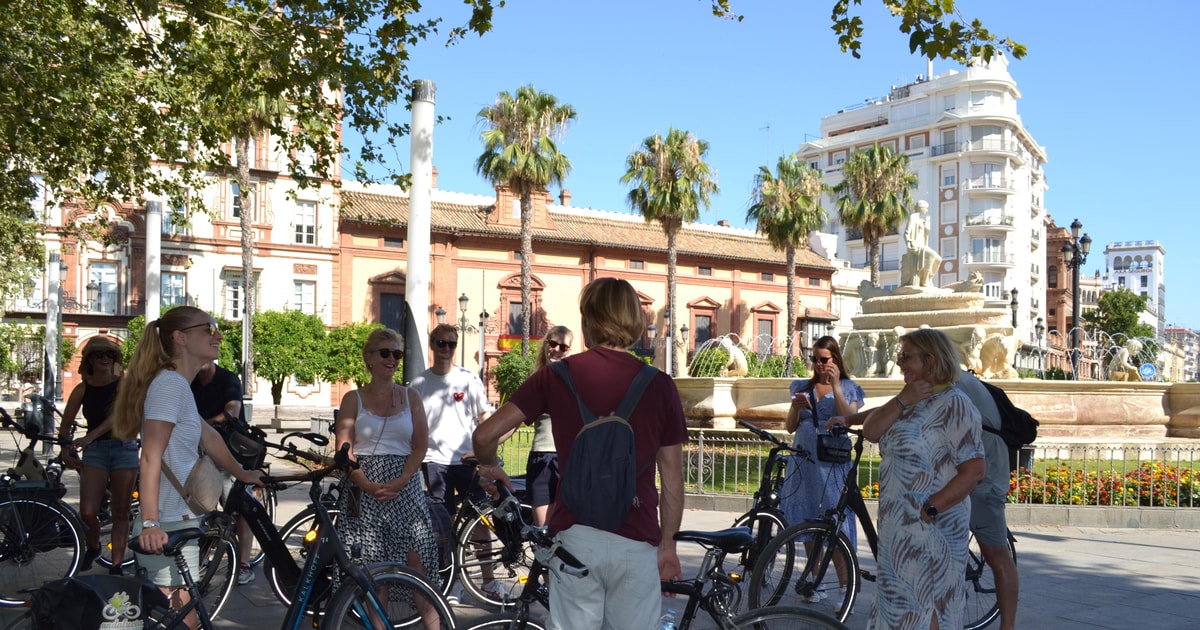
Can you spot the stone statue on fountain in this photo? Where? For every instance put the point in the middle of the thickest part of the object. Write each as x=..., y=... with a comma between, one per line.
x=920, y=263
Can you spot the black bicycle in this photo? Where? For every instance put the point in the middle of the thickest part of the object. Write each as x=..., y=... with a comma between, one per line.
x=711, y=589
x=794, y=568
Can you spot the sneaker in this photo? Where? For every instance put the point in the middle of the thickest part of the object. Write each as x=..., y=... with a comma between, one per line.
x=89, y=557
x=817, y=596
x=245, y=575
x=455, y=596
x=496, y=590
x=116, y=569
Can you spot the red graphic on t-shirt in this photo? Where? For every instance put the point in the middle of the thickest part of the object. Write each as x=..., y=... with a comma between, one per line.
x=458, y=396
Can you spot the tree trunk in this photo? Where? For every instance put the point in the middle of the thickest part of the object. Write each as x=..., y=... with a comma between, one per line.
x=526, y=269
x=242, y=148
x=791, y=308
x=873, y=259
x=672, y=313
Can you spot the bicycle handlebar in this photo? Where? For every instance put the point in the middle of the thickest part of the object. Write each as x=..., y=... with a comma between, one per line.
x=764, y=435
x=508, y=513
x=341, y=461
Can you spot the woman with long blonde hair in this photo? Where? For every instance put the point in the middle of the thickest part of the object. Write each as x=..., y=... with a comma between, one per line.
x=155, y=401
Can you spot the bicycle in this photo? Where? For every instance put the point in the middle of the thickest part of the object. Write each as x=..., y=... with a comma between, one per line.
x=710, y=590
x=479, y=557
x=41, y=537
x=765, y=519
x=794, y=567
x=365, y=597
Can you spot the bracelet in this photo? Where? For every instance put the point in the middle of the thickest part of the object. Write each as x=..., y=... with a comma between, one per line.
x=904, y=409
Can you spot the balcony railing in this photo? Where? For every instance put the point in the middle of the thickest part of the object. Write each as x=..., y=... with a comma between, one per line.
x=994, y=220
x=989, y=258
x=945, y=149
x=988, y=183
x=68, y=305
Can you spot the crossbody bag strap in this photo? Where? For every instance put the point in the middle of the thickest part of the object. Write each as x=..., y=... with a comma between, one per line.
x=173, y=479
x=812, y=398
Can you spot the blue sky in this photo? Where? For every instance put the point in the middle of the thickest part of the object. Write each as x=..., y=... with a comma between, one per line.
x=1109, y=88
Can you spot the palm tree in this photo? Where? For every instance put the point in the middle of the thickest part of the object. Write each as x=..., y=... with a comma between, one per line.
x=786, y=207
x=519, y=150
x=671, y=181
x=873, y=195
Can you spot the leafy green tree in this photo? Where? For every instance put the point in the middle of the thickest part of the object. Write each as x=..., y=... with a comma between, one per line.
x=512, y=369
x=873, y=195
x=1117, y=314
x=344, y=345
x=671, y=183
x=520, y=149
x=786, y=207
x=291, y=343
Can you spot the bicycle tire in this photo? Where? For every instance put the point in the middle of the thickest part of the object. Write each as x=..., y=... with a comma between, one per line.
x=785, y=570
x=345, y=612
x=217, y=572
x=787, y=618
x=293, y=534
x=475, y=557
x=982, y=607
x=105, y=559
x=50, y=549
x=505, y=622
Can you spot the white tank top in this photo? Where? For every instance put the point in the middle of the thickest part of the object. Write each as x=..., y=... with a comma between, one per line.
x=379, y=435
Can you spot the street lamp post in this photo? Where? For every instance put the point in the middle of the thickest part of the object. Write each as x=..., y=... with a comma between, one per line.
x=1014, y=305
x=483, y=327
x=1040, y=330
x=668, y=341
x=93, y=296
x=1075, y=253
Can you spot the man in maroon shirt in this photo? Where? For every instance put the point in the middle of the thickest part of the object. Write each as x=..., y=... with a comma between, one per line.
x=622, y=588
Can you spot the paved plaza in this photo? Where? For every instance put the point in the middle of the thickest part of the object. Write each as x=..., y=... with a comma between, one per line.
x=1071, y=577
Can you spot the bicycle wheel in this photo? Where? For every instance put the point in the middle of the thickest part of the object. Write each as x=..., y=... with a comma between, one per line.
x=505, y=622
x=489, y=573
x=398, y=585
x=298, y=534
x=982, y=607
x=786, y=571
x=216, y=575
x=787, y=618
x=105, y=559
x=764, y=525
x=39, y=542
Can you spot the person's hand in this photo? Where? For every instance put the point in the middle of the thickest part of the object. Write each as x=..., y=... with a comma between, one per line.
x=251, y=478
x=915, y=392
x=152, y=540
x=466, y=456
x=82, y=442
x=832, y=373
x=800, y=401
x=668, y=566
x=69, y=459
x=383, y=492
x=493, y=474
x=836, y=421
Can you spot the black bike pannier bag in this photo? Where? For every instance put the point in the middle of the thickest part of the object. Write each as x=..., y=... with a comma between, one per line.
x=91, y=602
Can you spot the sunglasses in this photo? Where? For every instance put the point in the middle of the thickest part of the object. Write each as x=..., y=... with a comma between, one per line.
x=105, y=354
x=821, y=360
x=904, y=356
x=442, y=343
x=558, y=345
x=386, y=352
x=213, y=328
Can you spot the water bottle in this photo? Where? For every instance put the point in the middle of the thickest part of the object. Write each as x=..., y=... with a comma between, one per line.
x=667, y=621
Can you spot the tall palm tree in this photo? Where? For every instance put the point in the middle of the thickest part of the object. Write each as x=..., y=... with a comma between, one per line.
x=786, y=207
x=519, y=149
x=873, y=194
x=671, y=182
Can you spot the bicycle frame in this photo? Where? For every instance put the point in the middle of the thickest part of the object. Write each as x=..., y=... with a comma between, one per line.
x=714, y=559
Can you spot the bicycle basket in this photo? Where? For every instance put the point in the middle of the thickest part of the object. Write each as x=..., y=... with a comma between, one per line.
x=87, y=602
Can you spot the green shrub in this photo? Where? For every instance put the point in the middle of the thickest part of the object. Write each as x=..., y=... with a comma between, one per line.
x=513, y=368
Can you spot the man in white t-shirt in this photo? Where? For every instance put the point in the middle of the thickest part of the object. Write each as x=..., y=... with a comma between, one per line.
x=455, y=403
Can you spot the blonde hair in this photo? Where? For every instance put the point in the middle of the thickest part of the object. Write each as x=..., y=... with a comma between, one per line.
x=543, y=355
x=155, y=352
x=439, y=329
x=612, y=313
x=943, y=366
x=381, y=336
x=96, y=345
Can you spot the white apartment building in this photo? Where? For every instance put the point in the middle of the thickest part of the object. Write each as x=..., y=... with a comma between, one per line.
x=1138, y=266
x=978, y=167
x=1189, y=343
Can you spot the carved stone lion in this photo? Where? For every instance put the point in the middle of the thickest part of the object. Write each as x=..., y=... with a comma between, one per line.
x=972, y=284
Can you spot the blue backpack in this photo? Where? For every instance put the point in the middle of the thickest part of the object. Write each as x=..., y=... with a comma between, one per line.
x=599, y=481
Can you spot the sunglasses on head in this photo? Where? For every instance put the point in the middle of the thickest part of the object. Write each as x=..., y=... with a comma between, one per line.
x=557, y=345
x=213, y=328
x=386, y=352
x=822, y=360
x=442, y=343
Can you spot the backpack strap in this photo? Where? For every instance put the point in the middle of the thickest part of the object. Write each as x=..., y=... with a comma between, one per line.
x=632, y=396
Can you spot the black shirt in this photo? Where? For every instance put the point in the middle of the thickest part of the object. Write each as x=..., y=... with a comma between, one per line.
x=211, y=398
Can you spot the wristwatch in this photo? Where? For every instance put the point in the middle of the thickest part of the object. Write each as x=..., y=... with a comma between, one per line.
x=148, y=523
x=930, y=511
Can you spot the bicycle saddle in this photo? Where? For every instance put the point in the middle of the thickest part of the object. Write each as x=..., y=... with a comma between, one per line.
x=732, y=540
x=175, y=540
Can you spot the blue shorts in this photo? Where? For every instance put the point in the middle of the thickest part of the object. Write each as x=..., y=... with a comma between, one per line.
x=541, y=478
x=110, y=455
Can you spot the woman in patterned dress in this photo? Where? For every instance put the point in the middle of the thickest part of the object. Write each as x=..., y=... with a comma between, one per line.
x=932, y=457
x=811, y=487
x=384, y=423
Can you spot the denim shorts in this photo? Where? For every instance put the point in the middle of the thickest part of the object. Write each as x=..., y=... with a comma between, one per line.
x=110, y=455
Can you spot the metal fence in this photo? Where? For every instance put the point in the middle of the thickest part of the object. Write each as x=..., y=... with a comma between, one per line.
x=1100, y=474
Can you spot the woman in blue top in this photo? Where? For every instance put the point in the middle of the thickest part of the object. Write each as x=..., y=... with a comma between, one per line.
x=812, y=487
